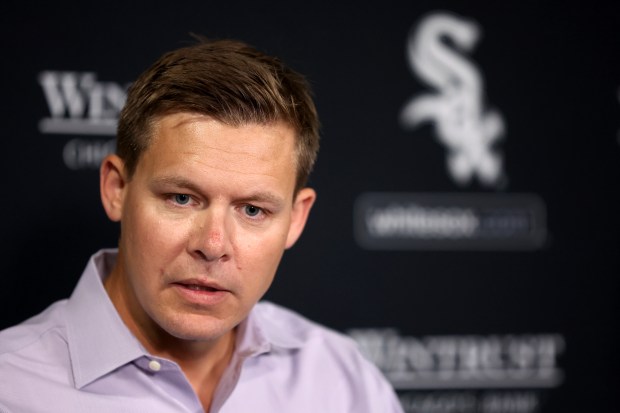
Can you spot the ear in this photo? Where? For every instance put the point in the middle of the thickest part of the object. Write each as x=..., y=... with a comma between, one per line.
x=301, y=209
x=112, y=185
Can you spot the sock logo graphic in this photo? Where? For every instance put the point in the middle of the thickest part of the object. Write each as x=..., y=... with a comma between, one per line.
x=461, y=122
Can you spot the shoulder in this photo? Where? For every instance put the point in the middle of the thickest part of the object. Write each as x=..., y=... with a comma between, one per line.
x=34, y=358
x=282, y=324
x=30, y=331
x=330, y=359
x=34, y=349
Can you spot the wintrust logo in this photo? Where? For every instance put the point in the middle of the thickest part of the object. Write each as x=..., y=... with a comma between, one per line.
x=509, y=373
x=81, y=105
x=432, y=362
x=468, y=130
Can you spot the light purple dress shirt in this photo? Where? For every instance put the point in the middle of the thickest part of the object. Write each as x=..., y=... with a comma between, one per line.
x=79, y=357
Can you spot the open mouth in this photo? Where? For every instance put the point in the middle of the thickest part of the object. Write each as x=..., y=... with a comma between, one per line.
x=195, y=287
x=201, y=293
x=200, y=286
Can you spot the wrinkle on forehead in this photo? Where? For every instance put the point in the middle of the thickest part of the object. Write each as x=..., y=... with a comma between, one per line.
x=194, y=125
x=198, y=142
x=215, y=162
x=196, y=121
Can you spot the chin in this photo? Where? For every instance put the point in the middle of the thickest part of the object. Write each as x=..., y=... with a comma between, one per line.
x=197, y=328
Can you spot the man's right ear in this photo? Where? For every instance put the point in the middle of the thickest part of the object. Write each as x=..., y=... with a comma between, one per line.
x=112, y=184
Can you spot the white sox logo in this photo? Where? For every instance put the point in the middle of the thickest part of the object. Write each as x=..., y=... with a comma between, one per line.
x=461, y=122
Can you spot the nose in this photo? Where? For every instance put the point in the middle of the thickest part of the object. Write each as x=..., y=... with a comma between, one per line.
x=210, y=237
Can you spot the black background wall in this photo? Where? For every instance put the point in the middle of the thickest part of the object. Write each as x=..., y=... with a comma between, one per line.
x=519, y=313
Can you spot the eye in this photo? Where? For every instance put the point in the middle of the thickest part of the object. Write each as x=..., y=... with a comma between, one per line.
x=181, y=199
x=251, y=210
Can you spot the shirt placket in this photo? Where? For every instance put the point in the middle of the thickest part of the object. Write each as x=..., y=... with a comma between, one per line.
x=169, y=377
x=231, y=376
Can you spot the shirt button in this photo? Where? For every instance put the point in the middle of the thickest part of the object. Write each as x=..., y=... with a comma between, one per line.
x=154, y=365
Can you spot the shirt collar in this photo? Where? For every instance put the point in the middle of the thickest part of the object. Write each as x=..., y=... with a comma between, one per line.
x=98, y=340
x=266, y=330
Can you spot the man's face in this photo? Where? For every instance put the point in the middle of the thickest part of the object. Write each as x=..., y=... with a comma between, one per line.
x=204, y=222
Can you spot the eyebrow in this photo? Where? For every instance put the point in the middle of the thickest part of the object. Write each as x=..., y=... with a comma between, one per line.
x=181, y=182
x=176, y=181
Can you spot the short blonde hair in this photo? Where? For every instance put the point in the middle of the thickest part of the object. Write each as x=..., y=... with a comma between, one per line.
x=229, y=81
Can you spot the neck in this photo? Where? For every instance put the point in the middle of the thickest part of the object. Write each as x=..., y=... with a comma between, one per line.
x=203, y=367
x=202, y=362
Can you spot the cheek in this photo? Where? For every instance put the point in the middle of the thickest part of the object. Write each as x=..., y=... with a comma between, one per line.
x=258, y=258
x=152, y=238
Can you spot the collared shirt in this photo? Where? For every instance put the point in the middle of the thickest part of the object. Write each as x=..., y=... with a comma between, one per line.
x=78, y=356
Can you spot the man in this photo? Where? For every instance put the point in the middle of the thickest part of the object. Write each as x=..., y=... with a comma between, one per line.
x=215, y=144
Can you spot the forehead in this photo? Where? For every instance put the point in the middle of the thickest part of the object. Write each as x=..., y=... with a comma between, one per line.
x=198, y=143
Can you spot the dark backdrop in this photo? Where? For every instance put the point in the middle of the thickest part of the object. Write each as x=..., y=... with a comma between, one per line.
x=494, y=299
